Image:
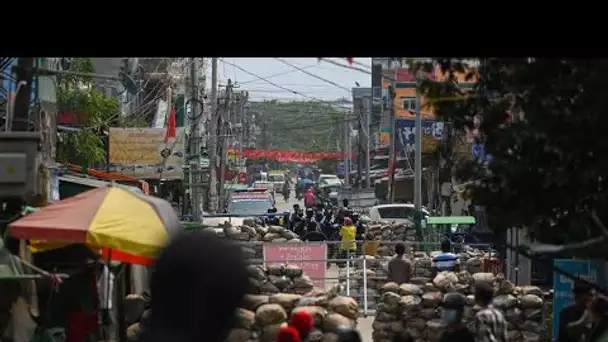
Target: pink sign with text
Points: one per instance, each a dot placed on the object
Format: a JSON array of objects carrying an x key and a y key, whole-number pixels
[{"x": 301, "y": 255}]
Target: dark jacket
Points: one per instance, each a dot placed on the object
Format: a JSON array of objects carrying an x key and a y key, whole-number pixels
[
  {"x": 569, "y": 314},
  {"x": 193, "y": 296},
  {"x": 459, "y": 335}
]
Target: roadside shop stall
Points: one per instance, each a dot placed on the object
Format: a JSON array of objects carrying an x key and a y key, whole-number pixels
[{"x": 93, "y": 236}]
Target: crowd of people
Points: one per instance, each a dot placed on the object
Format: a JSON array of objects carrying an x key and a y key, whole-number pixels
[
  {"x": 194, "y": 299},
  {"x": 186, "y": 268}
]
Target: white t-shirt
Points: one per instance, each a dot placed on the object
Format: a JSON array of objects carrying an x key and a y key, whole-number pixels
[{"x": 446, "y": 261}]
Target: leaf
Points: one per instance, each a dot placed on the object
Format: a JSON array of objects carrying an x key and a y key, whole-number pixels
[
  {"x": 76, "y": 94},
  {"x": 544, "y": 122}
]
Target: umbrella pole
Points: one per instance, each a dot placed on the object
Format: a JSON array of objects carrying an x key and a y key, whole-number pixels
[{"x": 108, "y": 297}]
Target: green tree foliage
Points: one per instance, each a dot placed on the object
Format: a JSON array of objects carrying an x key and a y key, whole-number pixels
[
  {"x": 549, "y": 171},
  {"x": 76, "y": 94},
  {"x": 306, "y": 126},
  {"x": 328, "y": 165}
]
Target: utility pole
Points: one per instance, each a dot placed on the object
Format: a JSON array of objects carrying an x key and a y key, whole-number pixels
[
  {"x": 359, "y": 146},
  {"x": 392, "y": 150},
  {"x": 224, "y": 132},
  {"x": 242, "y": 107},
  {"x": 195, "y": 140},
  {"x": 418, "y": 156},
  {"x": 213, "y": 200},
  {"x": 368, "y": 137},
  {"x": 347, "y": 149},
  {"x": 21, "y": 110}
]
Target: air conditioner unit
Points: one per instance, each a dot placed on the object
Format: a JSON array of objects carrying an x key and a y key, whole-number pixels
[{"x": 19, "y": 164}]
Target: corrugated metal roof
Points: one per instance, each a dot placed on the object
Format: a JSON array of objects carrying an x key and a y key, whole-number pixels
[{"x": 94, "y": 183}]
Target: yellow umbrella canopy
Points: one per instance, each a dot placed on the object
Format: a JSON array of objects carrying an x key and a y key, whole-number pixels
[{"x": 111, "y": 218}]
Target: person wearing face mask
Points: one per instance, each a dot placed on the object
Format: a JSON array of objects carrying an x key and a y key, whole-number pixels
[{"x": 452, "y": 310}]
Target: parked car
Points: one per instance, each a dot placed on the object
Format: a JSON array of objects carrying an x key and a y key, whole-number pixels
[
  {"x": 397, "y": 212},
  {"x": 328, "y": 179}
]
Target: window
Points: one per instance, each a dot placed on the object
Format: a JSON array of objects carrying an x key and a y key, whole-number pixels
[{"x": 409, "y": 104}]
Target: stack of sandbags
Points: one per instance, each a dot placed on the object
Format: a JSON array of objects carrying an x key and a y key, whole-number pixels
[
  {"x": 278, "y": 278},
  {"x": 264, "y": 312},
  {"x": 393, "y": 232},
  {"x": 415, "y": 307},
  {"x": 252, "y": 235},
  {"x": 376, "y": 270},
  {"x": 274, "y": 294}
]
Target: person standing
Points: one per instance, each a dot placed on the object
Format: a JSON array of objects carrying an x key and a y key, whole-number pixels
[
  {"x": 348, "y": 234},
  {"x": 446, "y": 261},
  {"x": 310, "y": 198},
  {"x": 490, "y": 323},
  {"x": 452, "y": 310},
  {"x": 583, "y": 294},
  {"x": 399, "y": 267}
]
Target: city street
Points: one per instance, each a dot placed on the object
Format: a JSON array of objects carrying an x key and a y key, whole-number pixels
[{"x": 363, "y": 324}]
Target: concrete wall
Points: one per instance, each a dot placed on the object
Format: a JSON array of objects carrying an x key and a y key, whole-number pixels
[{"x": 107, "y": 66}]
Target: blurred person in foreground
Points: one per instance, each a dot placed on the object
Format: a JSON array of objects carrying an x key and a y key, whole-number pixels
[
  {"x": 490, "y": 323},
  {"x": 598, "y": 316},
  {"x": 199, "y": 280},
  {"x": 452, "y": 310},
  {"x": 399, "y": 267},
  {"x": 570, "y": 315}
]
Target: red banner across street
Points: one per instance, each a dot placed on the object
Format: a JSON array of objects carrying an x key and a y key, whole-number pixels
[{"x": 286, "y": 156}]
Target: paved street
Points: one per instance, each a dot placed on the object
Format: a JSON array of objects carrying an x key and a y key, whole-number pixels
[{"x": 364, "y": 324}]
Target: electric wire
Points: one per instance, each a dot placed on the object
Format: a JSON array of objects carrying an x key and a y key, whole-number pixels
[
  {"x": 348, "y": 90},
  {"x": 393, "y": 79},
  {"x": 270, "y": 82}
]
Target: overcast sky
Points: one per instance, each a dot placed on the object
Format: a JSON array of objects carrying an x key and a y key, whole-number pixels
[{"x": 292, "y": 79}]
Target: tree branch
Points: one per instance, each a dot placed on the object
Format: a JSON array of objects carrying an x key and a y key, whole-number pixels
[
  {"x": 548, "y": 248},
  {"x": 599, "y": 223}
]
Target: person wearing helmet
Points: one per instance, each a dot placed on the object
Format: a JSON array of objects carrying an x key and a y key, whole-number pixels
[{"x": 452, "y": 310}]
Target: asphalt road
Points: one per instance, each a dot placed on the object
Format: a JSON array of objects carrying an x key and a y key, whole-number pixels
[{"x": 363, "y": 324}]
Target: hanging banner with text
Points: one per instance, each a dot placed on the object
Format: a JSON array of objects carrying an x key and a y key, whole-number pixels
[
  {"x": 143, "y": 153},
  {"x": 311, "y": 258},
  {"x": 286, "y": 156},
  {"x": 432, "y": 133}
]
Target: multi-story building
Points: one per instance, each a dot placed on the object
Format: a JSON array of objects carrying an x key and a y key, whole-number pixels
[
  {"x": 110, "y": 67},
  {"x": 404, "y": 82}
]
